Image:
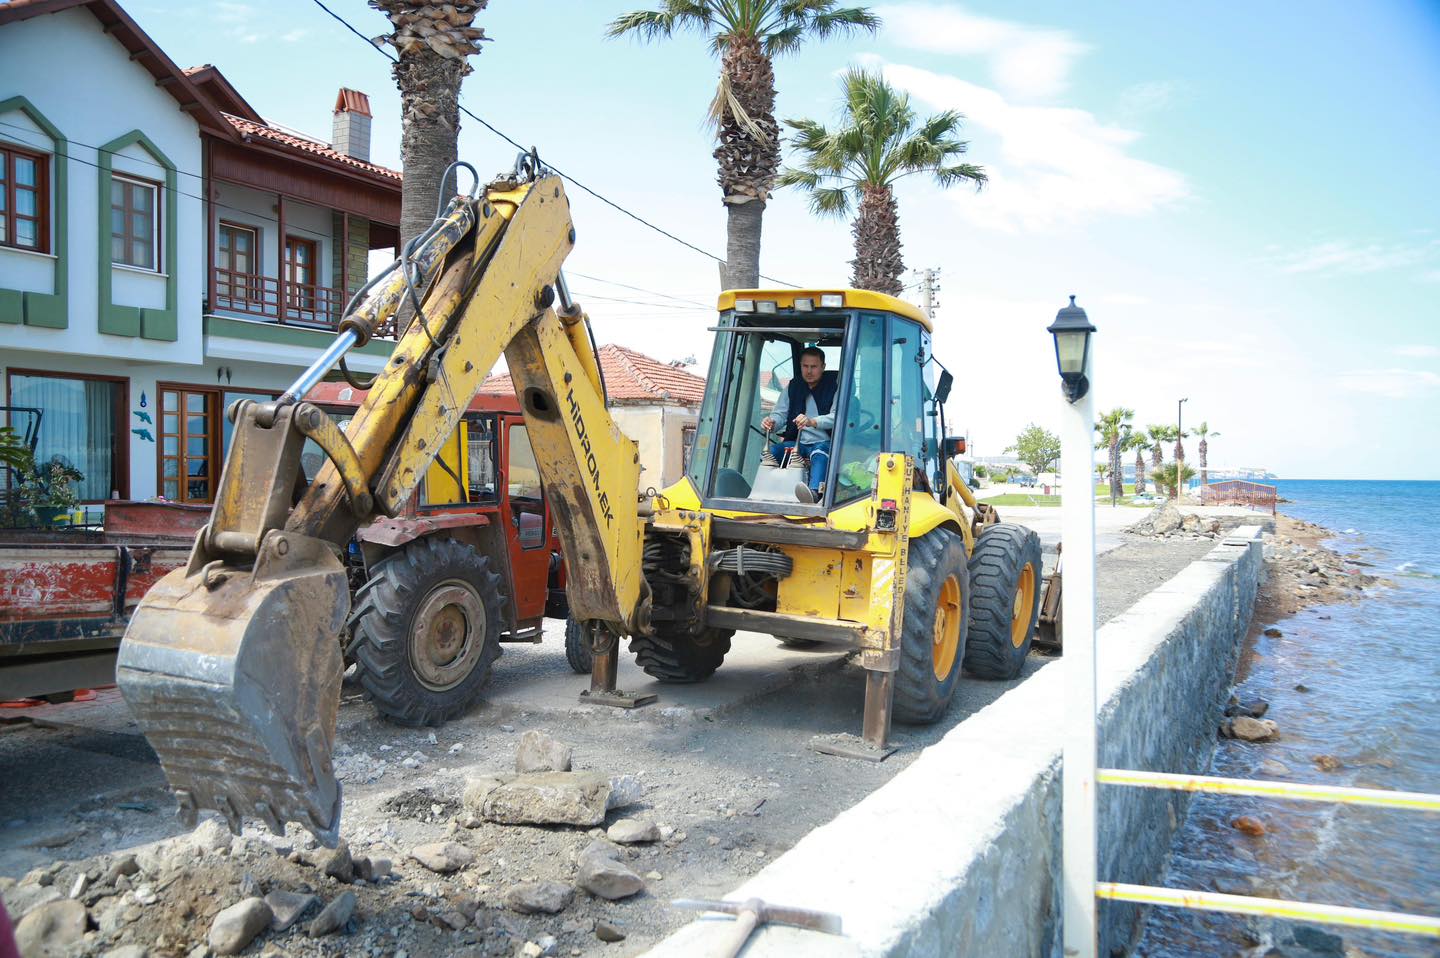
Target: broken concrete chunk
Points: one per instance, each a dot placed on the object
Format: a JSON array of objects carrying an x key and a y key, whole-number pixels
[
  {"x": 624, "y": 790},
  {"x": 235, "y": 927},
  {"x": 539, "y": 752},
  {"x": 51, "y": 927},
  {"x": 23, "y": 899},
  {"x": 334, "y": 917},
  {"x": 608, "y": 878},
  {"x": 605, "y": 931},
  {"x": 529, "y": 898},
  {"x": 286, "y": 907},
  {"x": 541, "y": 798},
  {"x": 633, "y": 831},
  {"x": 338, "y": 864},
  {"x": 443, "y": 857}
]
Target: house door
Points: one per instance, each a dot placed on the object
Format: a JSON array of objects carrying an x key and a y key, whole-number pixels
[
  {"x": 526, "y": 530},
  {"x": 300, "y": 276},
  {"x": 189, "y": 447},
  {"x": 235, "y": 272}
]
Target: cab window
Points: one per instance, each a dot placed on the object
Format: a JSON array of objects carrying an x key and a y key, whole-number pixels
[
  {"x": 522, "y": 483},
  {"x": 862, "y": 434}
]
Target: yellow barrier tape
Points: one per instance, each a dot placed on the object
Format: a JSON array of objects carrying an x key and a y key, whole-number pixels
[
  {"x": 1247, "y": 905},
  {"x": 1345, "y": 795}
]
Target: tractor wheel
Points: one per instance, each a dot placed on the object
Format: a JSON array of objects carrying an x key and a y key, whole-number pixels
[
  {"x": 681, "y": 657},
  {"x": 1007, "y": 576},
  {"x": 426, "y": 631},
  {"x": 932, "y": 640},
  {"x": 577, "y": 646}
]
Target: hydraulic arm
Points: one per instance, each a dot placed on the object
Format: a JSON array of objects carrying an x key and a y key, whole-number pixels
[{"x": 232, "y": 665}]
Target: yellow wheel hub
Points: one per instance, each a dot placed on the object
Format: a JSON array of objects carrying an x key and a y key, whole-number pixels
[
  {"x": 947, "y": 629},
  {"x": 1024, "y": 605}
]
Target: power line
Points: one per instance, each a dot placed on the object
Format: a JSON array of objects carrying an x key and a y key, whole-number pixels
[
  {"x": 599, "y": 196},
  {"x": 641, "y": 302},
  {"x": 638, "y": 289}
]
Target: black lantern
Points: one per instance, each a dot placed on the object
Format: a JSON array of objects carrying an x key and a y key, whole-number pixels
[{"x": 1072, "y": 330}]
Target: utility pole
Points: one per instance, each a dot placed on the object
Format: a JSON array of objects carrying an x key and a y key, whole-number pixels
[
  {"x": 929, "y": 286},
  {"x": 1180, "y": 446}
]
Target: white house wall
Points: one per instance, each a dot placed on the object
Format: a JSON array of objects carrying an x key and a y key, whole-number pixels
[{"x": 108, "y": 98}]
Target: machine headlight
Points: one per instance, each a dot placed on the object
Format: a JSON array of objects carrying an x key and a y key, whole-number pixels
[
  {"x": 744, "y": 306},
  {"x": 804, "y": 305},
  {"x": 766, "y": 306},
  {"x": 832, "y": 300}
]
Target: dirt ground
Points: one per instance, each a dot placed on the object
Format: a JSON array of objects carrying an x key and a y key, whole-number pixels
[{"x": 732, "y": 787}]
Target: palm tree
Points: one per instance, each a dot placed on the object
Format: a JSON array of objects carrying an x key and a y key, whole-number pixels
[
  {"x": 1166, "y": 477},
  {"x": 1179, "y": 436},
  {"x": 433, "y": 42},
  {"x": 1203, "y": 431},
  {"x": 1113, "y": 427},
  {"x": 747, "y": 35},
  {"x": 1158, "y": 435},
  {"x": 877, "y": 141},
  {"x": 1139, "y": 442}
]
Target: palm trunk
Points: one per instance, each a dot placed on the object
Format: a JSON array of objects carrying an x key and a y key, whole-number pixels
[
  {"x": 1204, "y": 473},
  {"x": 1139, "y": 472},
  {"x": 877, "y": 264},
  {"x": 430, "y": 111},
  {"x": 748, "y": 155},
  {"x": 1157, "y": 455},
  {"x": 1179, "y": 466},
  {"x": 1117, "y": 474}
]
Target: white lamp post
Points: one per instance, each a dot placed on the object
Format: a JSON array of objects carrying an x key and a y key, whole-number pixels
[{"x": 1072, "y": 331}]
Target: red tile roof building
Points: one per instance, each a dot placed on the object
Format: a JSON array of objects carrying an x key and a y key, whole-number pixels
[{"x": 632, "y": 379}]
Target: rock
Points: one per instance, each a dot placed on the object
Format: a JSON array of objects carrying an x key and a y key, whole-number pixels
[
  {"x": 334, "y": 916},
  {"x": 624, "y": 790},
  {"x": 1328, "y": 763},
  {"x": 338, "y": 864},
  {"x": 1253, "y": 730},
  {"x": 286, "y": 907},
  {"x": 1302, "y": 687},
  {"x": 211, "y": 836},
  {"x": 633, "y": 831},
  {"x": 1249, "y": 825},
  {"x": 23, "y": 899},
  {"x": 1273, "y": 768},
  {"x": 125, "y": 865},
  {"x": 443, "y": 857},
  {"x": 50, "y": 928},
  {"x": 608, "y": 878},
  {"x": 235, "y": 927},
  {"x": 529, "y": 898},
  {"x": 1253, "y": 709},
  {"x": 608, "y": 932},
  {"x": 380, "y": 868},
  {"x": 1273, "y": 633},
  {"x": 364, "y": 868},
  {"x": 531, "y": 950},
  {"x": 653, "y": 875},
  {"x": 541, "y": 798},
  {"x": 199, "y": 951},
  {"x": 539, "y": 752},
  {"x": 128, "y": 951},
  {"x": 146, "y": 895}
]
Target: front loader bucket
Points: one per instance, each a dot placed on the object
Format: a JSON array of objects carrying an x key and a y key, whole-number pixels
[{"x": 234, "y": 676}]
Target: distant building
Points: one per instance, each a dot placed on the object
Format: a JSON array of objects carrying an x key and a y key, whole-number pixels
[
  {"x": 163, "y": 249},
  {"x": 657, "y": 404}
]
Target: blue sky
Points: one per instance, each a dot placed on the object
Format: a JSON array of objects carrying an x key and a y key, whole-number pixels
[{"x": 1243, "y": 198}]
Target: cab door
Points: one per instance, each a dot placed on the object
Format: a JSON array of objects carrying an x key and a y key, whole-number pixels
[{"x": 527, "y": 526}]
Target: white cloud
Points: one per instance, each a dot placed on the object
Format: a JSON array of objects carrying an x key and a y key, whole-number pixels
[
  {"x": 1344, "y": 256},
  {"x": 1430, "y": 276},
  {"x": 1417, "y": 351},
  {"x": 1024, "y": 61},
  {"x": 1048, "y": 165},
  {"x": 1144, "y": 98},
  {"x": 1390, "y": 383}
]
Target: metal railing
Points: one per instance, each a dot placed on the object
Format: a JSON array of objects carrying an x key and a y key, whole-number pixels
[
  {"x": 1240, "y": 492},
  {"x": 305, "y": 304},
  {"x": 1273, "y": 907}
]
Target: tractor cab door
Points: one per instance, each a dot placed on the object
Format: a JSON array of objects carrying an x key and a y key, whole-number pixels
[{"x": 526, "y": 522}]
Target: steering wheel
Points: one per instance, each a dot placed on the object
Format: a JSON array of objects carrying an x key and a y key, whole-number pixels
[{"x": 865, "y": 420}]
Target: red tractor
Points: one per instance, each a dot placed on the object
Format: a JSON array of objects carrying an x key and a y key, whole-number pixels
[{"x": 472, "y": 563}]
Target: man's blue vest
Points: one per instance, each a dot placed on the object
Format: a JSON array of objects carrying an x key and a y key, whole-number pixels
[{"x": 799, "y": 391}]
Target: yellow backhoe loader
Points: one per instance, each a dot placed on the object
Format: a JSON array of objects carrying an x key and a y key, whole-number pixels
[{"x": 232, "y": 667}]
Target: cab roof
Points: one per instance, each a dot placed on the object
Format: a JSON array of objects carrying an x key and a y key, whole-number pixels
[{"x": 854, "y": 299}]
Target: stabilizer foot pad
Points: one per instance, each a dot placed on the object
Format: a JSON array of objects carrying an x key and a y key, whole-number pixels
[
  {"x": 617, "y": 699},
  {"x": 846, "y": 745}
]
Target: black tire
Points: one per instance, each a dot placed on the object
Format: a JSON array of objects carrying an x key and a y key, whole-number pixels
[
  {"x": 396, "y": 664},
  {"x": 936, "y": 558},
  {"x": 681, "y": 657},
  {"x": 577, "y": 647},
  {"x": 997, "y": 568}
]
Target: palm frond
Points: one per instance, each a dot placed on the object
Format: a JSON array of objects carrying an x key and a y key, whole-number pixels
[
  {"x": 697, "y": 15},
  {"x": 725, "y": 102},
  {"x": 807, "y": 180},
  {"x": 830, "y": 201},
  {"x": 785, "y": 40},
  {"x": 947, "y": 176}
]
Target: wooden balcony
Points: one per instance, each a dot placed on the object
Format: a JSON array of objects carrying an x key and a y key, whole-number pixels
[{"x": 304, "y": 304}]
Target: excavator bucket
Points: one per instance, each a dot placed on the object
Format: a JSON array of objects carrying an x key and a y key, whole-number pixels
[{"x": 233, "y": 673}]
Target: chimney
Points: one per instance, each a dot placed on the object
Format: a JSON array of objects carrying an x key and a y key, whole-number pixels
[{"x": 351, "y": 131}]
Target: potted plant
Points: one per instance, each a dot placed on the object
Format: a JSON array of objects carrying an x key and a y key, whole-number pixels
[
  {"x": 52, "y": 489},
  {"x": 16, "y": 467}
]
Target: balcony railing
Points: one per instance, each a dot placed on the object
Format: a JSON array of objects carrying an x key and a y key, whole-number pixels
[{"x": 305, "y": 304}]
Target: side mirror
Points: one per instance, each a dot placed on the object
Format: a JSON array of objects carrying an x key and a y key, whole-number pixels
[
  {"x": 942, "y": 388},
  {"x": 953, "y": 446}
]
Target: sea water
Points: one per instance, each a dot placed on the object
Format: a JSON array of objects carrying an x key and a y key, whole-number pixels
[{"x": 1372, "y": 671}]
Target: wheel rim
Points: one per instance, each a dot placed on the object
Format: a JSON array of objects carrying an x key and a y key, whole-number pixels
[
  {"x": 947, "y": 629},
  {"x": 1024, "y": 603},
  {"x": 448, "y": 635}
]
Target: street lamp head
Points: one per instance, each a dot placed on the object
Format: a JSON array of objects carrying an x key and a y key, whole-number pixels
[{"x": 1072, "y": 329}]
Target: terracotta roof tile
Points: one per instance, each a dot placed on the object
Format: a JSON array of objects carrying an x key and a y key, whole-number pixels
[
  {"x": 632, "y": 378},
  {"x": 314, "y": 147}
]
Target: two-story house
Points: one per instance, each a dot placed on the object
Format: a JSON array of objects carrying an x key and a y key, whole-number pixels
[{"x": 163, "y": 249}]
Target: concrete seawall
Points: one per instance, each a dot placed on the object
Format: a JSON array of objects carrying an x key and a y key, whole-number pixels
[{"x": 960, "y": 853}]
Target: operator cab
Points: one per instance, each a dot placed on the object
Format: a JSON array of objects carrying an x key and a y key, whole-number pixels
[{"x": 888, "y": 396}]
